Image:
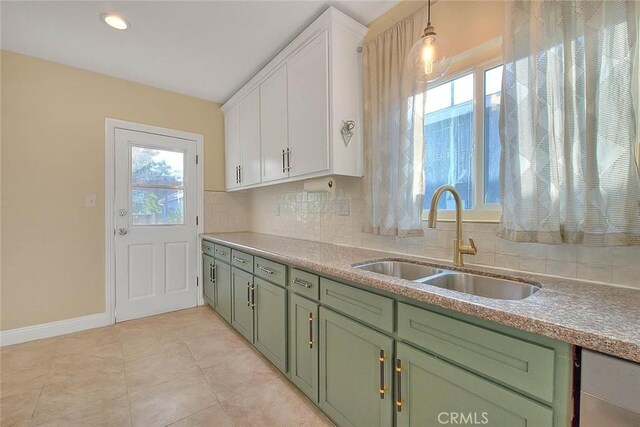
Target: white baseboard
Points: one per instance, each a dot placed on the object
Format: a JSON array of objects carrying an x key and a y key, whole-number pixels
[{"x": 52, "y": 329}]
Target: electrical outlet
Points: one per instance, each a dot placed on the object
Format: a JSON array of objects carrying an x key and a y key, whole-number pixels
[{"x": 343, "y": 207}]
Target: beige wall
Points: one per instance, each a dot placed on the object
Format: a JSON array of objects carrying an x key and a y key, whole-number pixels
[{"x": 53, "y": 120}]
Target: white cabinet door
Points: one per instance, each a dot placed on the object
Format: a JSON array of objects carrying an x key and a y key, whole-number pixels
[
  {"x": 232, "y": 147},
  {"x": 250, "y": 138},
  {"x": 273, "y": 125},
  {"x": 308, "y": 97}
]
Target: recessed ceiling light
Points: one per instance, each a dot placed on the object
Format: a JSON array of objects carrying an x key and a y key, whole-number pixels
[{"x": 115, "y": 21}]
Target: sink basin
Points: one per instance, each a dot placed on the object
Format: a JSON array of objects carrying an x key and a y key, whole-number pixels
[
  {"x": 400, "y": 269},
  {"x": 484, "y": 286}
]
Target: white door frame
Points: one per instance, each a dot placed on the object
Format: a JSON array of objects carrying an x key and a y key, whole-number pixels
[{"x": 109, "y": 186}]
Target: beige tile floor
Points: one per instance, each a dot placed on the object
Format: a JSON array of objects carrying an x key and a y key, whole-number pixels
[{"x": 186, "y": 368}]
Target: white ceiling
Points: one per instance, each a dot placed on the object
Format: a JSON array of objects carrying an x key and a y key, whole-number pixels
[{"x": 206, "y": 49}]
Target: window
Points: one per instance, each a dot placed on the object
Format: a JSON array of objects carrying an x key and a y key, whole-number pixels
[
  {"x": 157, "y": 186},
  {"x": 462, "y": 142}
]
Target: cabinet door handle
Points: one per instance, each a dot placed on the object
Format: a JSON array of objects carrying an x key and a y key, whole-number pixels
[
  {"x": 399, "y": 385},
  {"x": 240, "y": 260},
  {"x": 237, "y": 175},
  {"x": 265, "y": 269},
  {"x": 240, "y": 174},
  {"x": 310, "y": 330},
  {"x": 213, "y": 273},
  {"x": 284, "y": 168},
  {"x": 288, "y": 159},
  {"x": 302, "y": 283},
  {"x": 248, "y": 294},
  {"x": 382, "y": 387},
  {"x": 253, "y": 297}
]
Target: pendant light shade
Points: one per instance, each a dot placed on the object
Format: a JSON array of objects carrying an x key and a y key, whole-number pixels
[{"x": 428, "y": 59}]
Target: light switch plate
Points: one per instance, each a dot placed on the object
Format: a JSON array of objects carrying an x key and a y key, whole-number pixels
[{"x": 90, "y": 201}]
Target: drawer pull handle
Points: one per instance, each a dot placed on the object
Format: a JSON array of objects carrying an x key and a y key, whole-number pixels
[
  {"x": 220, "y": 252},
  {"x": 266, "y": 270},
  {"x": 240, "y": 260},
  {"x": 302, "y": 283},
  {"x": 399, "y": 385},
  {"x": 382, "y": 387},
  {"x": 310, "y": 330}
]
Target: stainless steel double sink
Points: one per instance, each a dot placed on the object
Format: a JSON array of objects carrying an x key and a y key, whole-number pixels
[{"x": 484, "y": 286}]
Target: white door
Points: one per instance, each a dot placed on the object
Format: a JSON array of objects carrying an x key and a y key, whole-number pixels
[
  {"x": 155, "y": 224},
  {"x": 308, "y": 109},
  {"x": 273, "y": 126}
]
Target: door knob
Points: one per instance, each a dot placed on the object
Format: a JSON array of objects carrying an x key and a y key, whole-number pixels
[{"x": 122, "y": 231}]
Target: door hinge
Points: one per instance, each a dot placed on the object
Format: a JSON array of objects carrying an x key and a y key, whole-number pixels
[
  {"x": 196, "y": 220},
  {"x": 196, "y": 159}
]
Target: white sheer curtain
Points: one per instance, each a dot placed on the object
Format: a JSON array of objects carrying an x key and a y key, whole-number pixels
[
  {"x": 394, "y": 177},
  {"x": 568, "y": 125}
]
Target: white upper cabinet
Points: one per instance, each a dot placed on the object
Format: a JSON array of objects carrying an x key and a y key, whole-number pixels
[
  {"x": 250, "y": 139},
  {"x": 232, "y": 147},
  {"x": 308, "y": 95},
  {"x": 273, "y": 126},
  {"x": 285, "y": 123}
]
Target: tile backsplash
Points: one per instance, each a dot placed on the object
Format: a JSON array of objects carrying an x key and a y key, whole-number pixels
[{"x": 286, "y": 210}]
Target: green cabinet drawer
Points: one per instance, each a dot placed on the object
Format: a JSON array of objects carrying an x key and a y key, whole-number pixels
[
  {"x": 434, "y": 392},
  {"x": 521, "y": 364},
  {"x": 242, "y": 260},
  {"x": 208, "y": 248},
  {"x": 365, "y": 306},
  {"x": 222, "y": 253},
  {"x": 304, "y": 283},
  {"x": 270, "y": 322},
  {"x": 271, "y": 271}
]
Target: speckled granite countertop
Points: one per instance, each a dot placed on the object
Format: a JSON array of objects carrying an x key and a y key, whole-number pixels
[{"x": 599, "y": 317}]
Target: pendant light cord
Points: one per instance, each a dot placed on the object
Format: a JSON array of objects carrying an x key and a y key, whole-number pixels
[{"x": 429, "y": 14}]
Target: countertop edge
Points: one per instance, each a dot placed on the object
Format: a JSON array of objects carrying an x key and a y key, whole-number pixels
[{"x": 590, "y": 340}]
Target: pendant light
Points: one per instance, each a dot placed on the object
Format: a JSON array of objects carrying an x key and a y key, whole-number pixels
[{"x": 428, "y": 58}]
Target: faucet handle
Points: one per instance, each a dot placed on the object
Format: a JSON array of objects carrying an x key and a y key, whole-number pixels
[
  {"x": 473, "y": 245},
  {"x": 469, "y": 249}
]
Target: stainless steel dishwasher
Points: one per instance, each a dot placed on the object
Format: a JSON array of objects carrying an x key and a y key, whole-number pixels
[{"x": 609, "y": 391}]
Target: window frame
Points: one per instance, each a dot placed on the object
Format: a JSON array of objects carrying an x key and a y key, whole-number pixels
[{"x": 481, "y": 212}]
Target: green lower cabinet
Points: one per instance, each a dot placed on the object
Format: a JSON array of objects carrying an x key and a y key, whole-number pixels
[
  {"x": 223, "y": 290},
  {"x": 241, "y": 297},
  {"x": 270, "y": 322},
  {"x": 208, "y": 277},
  {"x": 435, "y": 392},
  {"x": 352, "y": 374},
  {"x": 303, "y": 345}
]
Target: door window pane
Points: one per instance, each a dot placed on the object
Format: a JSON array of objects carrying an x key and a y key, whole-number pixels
[
  {"x": 156, "y": 167},
  {"x": 157, "y": 206},
  {"x": 492, "y": 148},
  {"x": 448, "y": 130},
  {"x": 157, "y": 186}
]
